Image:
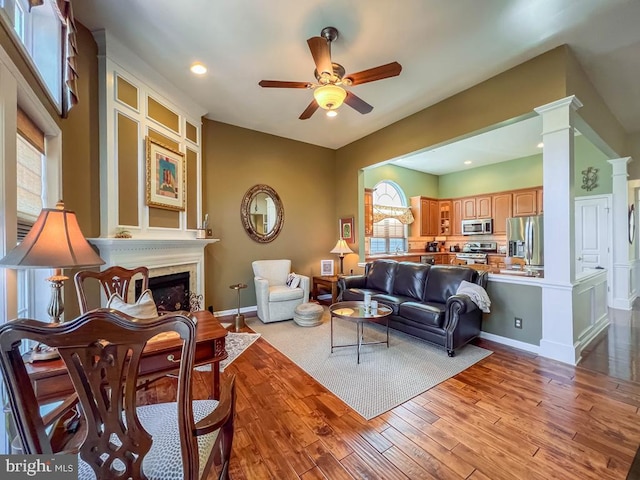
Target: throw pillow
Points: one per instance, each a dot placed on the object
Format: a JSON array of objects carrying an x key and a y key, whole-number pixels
[
  {"x": 145, "y": 307},
  {"x": 293, "y": 280}
]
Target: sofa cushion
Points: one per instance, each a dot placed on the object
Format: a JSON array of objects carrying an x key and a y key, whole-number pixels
[
  {"x": 381, "y": 275},
  {"x": 443, "y": 281},
  {"x": 392, "y": 301},
  {"x": 352, "y": 294},
  {"x": 410, "y": 279},
  {"x": 425, "y": 313}
]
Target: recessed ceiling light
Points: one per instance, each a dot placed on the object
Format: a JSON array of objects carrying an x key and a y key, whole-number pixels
[
  {"x": 540, "y": 145},
  {"x": 331, "y": 113},
  {"x": 467, "y": 162},
  {"x": 198, "y": 68}
]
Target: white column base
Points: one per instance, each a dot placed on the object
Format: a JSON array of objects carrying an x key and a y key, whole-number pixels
[
  {"x": 557, "y": 323},
  {"x": 622, "y": 298},
  {"x": 559, "y": 351}
]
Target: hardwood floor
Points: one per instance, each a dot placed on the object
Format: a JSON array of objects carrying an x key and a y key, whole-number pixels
[
  {"x": 617, "y": 352},
  {"x": 513, "y": 415}
]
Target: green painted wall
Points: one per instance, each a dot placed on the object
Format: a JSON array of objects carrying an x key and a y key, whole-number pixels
[
  {"x": 511, "y": 175},
  {"x": 503, "y": 310},
  {"x": 303, "y": 176},
  {"x": 587, "y": 155},
  {"x": 412, "y": 182},
  {"x": 519, "y": 173}
]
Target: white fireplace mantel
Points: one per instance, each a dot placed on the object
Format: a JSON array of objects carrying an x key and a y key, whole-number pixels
[{"x": 155, "y": 253}]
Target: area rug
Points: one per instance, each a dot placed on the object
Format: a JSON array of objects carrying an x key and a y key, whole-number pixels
[
  {"x": 385, "y": 377},
  {"x": 235, "y": 343}
]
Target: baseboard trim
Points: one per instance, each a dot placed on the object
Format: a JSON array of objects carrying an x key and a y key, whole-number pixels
[
  {"x": 622, "y": 303},
  {"x": 234, "y": 311},
  {"x": 510, "y": 342}
]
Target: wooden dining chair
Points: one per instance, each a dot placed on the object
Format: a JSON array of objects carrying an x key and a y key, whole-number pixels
[
  {"x": 113, "y": 437},
  {"x": 112, "y": 280}
]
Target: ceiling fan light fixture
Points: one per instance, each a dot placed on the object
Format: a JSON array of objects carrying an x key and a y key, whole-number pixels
[
  {"x": 329, "y": 97},
  {"x": 332, "y": 113}
]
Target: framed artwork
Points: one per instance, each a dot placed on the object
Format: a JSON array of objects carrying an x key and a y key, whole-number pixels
[
  {"x": 346, "y": 229},
  {"x": 165, "y": 176},
  {"x": 326, "y": 268}
]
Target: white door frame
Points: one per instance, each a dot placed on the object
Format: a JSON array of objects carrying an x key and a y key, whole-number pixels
[{"x": 609, "y": 199}]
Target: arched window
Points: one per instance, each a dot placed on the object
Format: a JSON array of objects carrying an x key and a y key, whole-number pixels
[{"x": 389, "y": 234}]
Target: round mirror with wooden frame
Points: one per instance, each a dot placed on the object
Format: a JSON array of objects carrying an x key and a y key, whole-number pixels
[
  {"x": 632, "y": 223},
  {"x": 262, "y": 213}
]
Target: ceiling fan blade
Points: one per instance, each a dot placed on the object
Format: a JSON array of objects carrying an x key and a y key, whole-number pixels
[
  {"x": 321, "y": 52},
  {"x": 377, "y": 73},
  {"x": 357, "y": 103},
  {"x": 310, "y": 110},
  {"x": 279, "y": 84}
]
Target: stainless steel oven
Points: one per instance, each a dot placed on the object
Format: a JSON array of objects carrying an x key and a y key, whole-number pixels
[
  {"x": 472, "y": 258},
  {"x": 480, "y": 226}
]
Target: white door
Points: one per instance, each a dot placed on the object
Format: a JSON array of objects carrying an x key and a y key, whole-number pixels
[{"x": 592, "y": 234}]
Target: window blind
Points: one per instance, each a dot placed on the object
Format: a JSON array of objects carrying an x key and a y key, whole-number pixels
[{"x": 30, "y": 148}]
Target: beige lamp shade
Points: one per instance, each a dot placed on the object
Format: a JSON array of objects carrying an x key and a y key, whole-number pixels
[
  {"x": 54, "y": 241},
  {"x": 329, "y": 97},
  {"x": 341, "y": 248}
]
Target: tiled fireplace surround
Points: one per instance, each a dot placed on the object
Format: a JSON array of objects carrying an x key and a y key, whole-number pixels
[{"x": 160, "y": 256}]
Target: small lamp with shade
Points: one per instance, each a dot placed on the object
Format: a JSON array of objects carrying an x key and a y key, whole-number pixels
[
  {"x": 55, "y": 241},
  {"x": 341, "y": 249}
]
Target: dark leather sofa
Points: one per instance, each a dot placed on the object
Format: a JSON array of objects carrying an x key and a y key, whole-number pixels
[{"x": 423, "y": 298}]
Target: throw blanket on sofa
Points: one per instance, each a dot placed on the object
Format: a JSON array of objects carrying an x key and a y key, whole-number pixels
[{"x": 477, "y": 294}]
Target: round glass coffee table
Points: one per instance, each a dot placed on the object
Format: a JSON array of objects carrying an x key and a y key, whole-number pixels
[{"x": 357, "y": 313}]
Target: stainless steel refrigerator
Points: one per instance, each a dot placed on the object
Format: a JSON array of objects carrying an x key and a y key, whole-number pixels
[{"x": 525, "y": 239}]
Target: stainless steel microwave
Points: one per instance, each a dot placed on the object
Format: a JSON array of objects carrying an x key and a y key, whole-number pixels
[{"x": 480, "y": 226}]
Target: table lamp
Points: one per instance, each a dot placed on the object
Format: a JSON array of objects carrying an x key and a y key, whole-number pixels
[
  {"x": 54, "y": 241},
  {"x": 341, "y": 249}
]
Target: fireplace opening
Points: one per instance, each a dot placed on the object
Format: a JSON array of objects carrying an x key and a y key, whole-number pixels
[{"x": 170, "y": 292}]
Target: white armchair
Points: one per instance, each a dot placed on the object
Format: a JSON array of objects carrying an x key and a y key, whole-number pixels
[{"x": 275, "y": 300}]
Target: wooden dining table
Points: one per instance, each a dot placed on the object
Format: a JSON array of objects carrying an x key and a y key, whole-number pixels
[{"x": 160, "y": 357}]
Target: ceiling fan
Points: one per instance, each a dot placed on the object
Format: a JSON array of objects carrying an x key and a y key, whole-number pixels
[{"x": 329, "y": 93}]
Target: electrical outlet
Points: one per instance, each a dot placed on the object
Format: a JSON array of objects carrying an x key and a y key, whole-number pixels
[{"x": 517, "y": 322}]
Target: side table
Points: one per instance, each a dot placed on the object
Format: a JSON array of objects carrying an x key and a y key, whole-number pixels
[
  {"x": 239, "y": 318},
  {"x": 330, "y": 282}
]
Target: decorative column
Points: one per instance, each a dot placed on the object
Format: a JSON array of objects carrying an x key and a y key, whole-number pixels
[
  {"x": 559, "y": 229},
  {"x": 621, "y": 274}
]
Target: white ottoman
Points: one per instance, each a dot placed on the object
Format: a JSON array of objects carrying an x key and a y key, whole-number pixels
[{"x": 308, "y": 314}]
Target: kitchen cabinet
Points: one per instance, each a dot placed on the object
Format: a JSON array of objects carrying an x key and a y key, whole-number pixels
[
  {"x": 495, "y": 261},
  {"x": 476, "y": 207},
  {"x": 368, "y": 212},
  {"x": 525, "y": 202},
  {"x": 483, "y": 206},
  {"x": 456, "y": 217},
  {"x": 539, "y": 200},
  {"x": 443, "y": 258},
  {"x": 468, "y": 208},
  {"x": 434, "y": 218},
  {"x": 444, "y": 206},
  {"x": 426, "y": 215},
  {"x": 501, "y": 210}
]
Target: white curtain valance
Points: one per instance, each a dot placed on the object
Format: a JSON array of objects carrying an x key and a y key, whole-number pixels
[{"x": 402, "y": 214}]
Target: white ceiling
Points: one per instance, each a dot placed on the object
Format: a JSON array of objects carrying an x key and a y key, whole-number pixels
[
  {"x": 517, "y": 140},
  {"x": 444, "y": 47}
]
